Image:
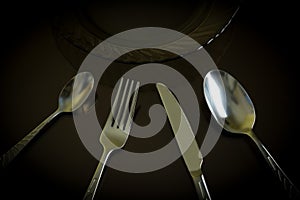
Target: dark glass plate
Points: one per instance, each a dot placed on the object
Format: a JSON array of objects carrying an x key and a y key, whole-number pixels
[{"x": 78, "y": 31}]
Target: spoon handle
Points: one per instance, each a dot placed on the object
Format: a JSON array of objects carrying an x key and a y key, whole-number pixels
[
  {"x": 6, "y": 158},
  {"x": 201, "y": 188},
  {"x": 286, "y": 182}
]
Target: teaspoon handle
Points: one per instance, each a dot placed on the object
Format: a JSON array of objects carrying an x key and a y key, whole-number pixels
[
  {"x": 286, "y": 182},
  {"x": 6, "y": 158}
]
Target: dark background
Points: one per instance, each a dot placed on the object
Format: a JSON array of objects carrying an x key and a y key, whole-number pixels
[{"x": 259, "y": 48}]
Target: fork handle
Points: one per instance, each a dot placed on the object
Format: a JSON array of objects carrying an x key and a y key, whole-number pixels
[
  {"x": 288, "y": 186},
  {"x": 201, "y": 188},
  {"x": 6, "y": 158},
  {"x": 91, "y": 191}
]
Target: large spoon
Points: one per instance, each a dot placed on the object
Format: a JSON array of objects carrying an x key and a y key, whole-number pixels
[
  {"x": 234, "y": 111},
  {"x": 71, "y": 97}
]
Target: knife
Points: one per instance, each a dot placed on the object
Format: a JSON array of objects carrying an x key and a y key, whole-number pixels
[{"x": 185, "y": 139}]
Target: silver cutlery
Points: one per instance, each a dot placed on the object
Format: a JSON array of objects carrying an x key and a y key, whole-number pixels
[
  {"x": 116, "y": 130},
  {"x": 185, "y": 139},
  {"x": 233, "y": 109},
  {"x": 72, "y": 96}
]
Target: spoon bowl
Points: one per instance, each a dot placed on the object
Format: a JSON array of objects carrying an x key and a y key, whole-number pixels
[
  {"x": 229, "y": 103},
  {"x": 233, "y": 109},
  {"x": 75, "y": 92}
]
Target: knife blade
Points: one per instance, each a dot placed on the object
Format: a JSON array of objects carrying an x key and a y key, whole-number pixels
[{"x": 185, "y": 139}]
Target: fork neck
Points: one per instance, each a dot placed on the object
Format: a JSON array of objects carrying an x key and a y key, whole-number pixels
[{"x": 105, "y": 154}]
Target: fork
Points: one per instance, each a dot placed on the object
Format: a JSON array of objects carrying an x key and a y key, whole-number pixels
[{"x": 116, "y": 129}]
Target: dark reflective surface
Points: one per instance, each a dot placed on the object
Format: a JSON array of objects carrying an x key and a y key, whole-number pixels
[{"x": 257, "y": 48}]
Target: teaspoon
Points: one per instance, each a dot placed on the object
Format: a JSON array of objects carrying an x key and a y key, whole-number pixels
[{"x": 71, "y": 97}]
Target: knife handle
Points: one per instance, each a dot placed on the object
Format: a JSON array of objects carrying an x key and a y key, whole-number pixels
[{"x": 201, "y": 188}]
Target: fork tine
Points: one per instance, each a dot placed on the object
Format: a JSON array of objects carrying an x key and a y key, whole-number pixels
[
  {"x": 125, "y": 109},
  {"x": 117, "y": 117},
  {"x": 132, "y": 109},
  {"x": 114, "y": 106}
]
